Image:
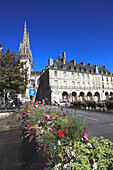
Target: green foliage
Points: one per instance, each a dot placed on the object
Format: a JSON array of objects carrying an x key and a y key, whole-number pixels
[
  {"x": 13, "y": 76},
  {"x": 109, "y": 105}
]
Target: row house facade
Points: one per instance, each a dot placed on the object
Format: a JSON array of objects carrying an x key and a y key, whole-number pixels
[{"x": 71, "y": 81}]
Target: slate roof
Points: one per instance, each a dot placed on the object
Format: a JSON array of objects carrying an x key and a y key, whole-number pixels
[{"x": 70, "y": 66}]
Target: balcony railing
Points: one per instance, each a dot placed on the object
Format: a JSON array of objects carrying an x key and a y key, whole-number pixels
[{"x": 80, "y": 87}]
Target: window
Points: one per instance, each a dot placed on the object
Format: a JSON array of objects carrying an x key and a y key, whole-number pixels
[
  {"x": 83, "y": 76},
  {"x": 65, "y": 84},
  {"x": 107, "y": 86},
  {"x": 102, "y": 78},
  {"x": 111, "y": 86},
  {"x": 55, "y": 73},
  {"x": 87, "y": 76},
  {"x": 78, "y": 84},
  {"x": 78, "y": 75},
  {"x": 88, "y": 85},
  {"x": 106, "y": 78},
  {"x": 72, "y": 75},
  {"x": 83, "y": 84},
  {"x": 64, "y": 74},
  {"x": 73, "y": 84},
  {"x": 56, "y": 83},
  {"x": 103, "y": 85}
]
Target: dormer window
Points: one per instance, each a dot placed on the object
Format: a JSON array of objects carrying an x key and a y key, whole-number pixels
[
  {"x": 63, "y": 66},
  {"x": 72, "y": 68},
  {"x": 55, "y": 66},
  {"x": 77, "y": 68},
  {"x": 85, "y": 70}
]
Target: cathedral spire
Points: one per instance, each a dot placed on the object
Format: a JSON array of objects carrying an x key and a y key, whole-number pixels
[
  {"x": 25, "y": 33},
  {"x": 28, "y": 40}
]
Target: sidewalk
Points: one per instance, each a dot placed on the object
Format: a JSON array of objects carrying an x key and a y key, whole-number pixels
[{"x": 10, "y": 145}]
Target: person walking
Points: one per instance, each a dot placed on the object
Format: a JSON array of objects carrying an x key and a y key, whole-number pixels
[{"x": 36, "y": 104}]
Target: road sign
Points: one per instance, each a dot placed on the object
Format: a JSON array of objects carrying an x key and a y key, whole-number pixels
[{"x": 32, "y": 92}]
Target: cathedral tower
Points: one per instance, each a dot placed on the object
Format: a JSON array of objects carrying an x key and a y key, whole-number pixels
[{"x": 24, "y": 50}]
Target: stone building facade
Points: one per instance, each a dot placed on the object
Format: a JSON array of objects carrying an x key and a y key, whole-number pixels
[{"x": 71, "y": 81}]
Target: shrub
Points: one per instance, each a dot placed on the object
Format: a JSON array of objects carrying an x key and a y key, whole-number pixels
[
  {"x": 91, "y": 154},
  {"x": 91, "y": 104},
  {"x": 109, "y": 105}
]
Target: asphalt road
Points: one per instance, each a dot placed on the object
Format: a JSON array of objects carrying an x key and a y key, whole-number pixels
[{"x": 98, "y": 123}]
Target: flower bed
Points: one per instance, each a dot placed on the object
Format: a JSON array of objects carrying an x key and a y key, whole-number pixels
[{"x": 64, "y": 143}]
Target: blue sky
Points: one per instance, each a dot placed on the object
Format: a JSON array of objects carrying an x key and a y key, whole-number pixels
[{"x": 81, "y": 28}]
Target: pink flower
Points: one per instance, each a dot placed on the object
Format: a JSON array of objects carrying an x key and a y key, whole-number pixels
[
  {"x": 85, "y": 136},
  {"x": 41, "y": 120},
  {"x": 51, "y": 116},
  {"x": 45, "y": 115}
]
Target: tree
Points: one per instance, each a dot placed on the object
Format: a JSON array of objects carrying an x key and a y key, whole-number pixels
[{"x": 13, "y": 74}]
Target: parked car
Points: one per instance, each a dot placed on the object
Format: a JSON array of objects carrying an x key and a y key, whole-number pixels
[{"x": 64, "y": 103}]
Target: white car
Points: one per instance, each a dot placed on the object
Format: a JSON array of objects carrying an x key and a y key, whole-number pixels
[{"x": 64, "y": 103}]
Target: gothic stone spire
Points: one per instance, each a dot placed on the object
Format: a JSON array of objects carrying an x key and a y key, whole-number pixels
[{"x": 25, "y": 33}]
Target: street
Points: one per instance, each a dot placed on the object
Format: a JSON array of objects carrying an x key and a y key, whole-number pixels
[{"x": 98, "y": 123}]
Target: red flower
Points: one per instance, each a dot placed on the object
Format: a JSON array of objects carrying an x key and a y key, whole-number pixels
[
  {"x": 85, "y": 127},
  {"x": 59, "y": 126},
  {"x": 73, "y": 125},
  {"x": 64, "y": 130},
  {"x": 50, "y": 131},
  {"x": 60, "y": 133}
]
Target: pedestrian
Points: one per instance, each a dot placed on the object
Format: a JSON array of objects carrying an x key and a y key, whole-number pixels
[
  {"x": 36, "y": 104},
  {"x": 43, "y": 102}
]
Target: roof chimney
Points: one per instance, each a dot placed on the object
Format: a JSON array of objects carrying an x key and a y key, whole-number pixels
[
  {"x": 50, "y": 61},
  {"x": 64, "y": 58},
  {"x": 104, "y": 66},
  {"x": 82, "y": 63},
  {"x": 73, "y": 61},
  {"x": 89, "y": 64}
]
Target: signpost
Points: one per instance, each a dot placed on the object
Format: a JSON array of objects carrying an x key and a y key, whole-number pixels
[{"x": 32, "y": 92}]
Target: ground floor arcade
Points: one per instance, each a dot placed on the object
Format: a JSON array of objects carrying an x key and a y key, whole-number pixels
[{"x": 97, "y": 95}]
